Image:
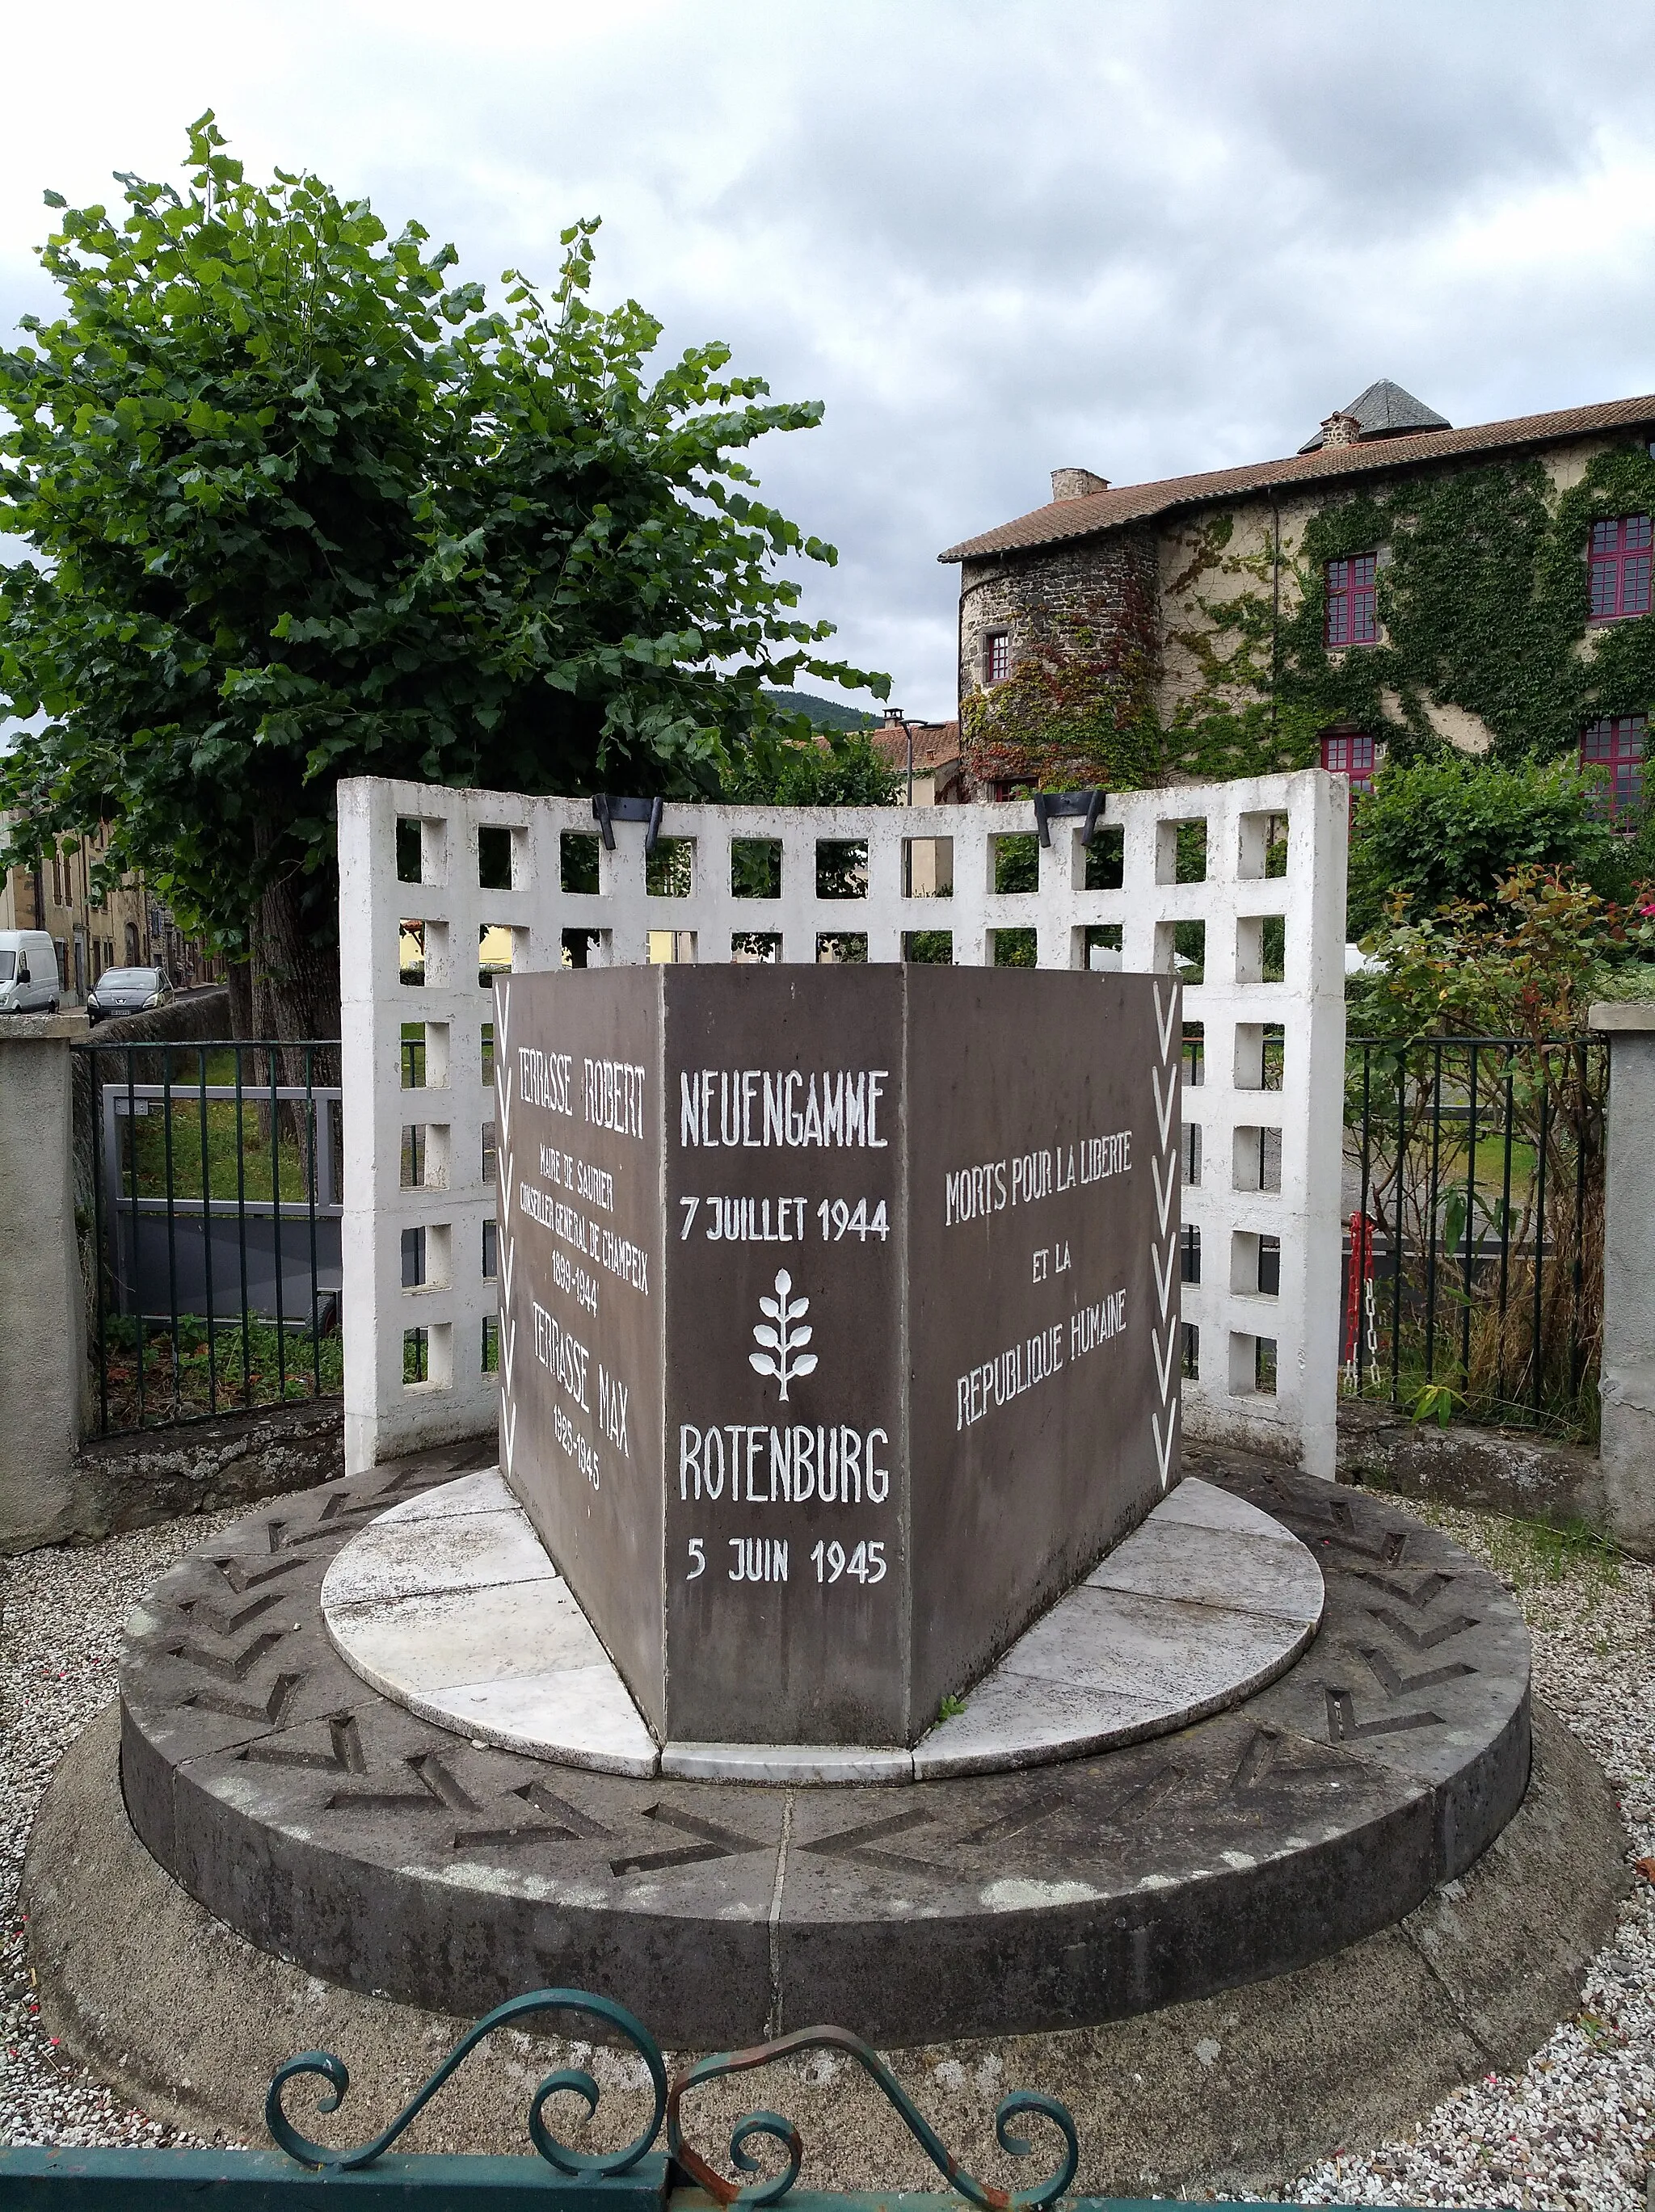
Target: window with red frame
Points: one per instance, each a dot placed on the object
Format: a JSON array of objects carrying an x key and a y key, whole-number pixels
[
  {"x": 1352, "y": 617},
  {"x": 1348, "y": 752},
  {"x": 1616, "y": 743},
  {"x": 1619, "y": 568},
  {"x": 999, "y": 656}
]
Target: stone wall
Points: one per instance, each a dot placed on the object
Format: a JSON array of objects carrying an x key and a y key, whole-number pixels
[
  {"x": 130, "y": 1481},
  {"x": 1087, "y": 615},
  {"x": 1508, "y": 1471}
]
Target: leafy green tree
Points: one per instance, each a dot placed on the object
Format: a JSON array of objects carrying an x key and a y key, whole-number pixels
[
  {"x": 831, "y": 770},
  {"x": 302, "y": 506},
  {"x": 1448, "y": 827}
]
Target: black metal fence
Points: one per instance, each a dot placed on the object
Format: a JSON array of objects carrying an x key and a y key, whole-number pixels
[
  {"x": 1473, "y": 1258},
  {"x": 210, "y": 1180}
]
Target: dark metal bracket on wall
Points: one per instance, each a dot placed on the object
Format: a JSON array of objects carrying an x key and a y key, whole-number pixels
[
  {"x": 606, "y": 811},
  {"x": 1048, "y": 803}
]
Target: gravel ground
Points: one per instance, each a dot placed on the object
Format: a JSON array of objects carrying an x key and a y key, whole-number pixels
[
  {"x": 1575, "y": 2129},
  {"x": 61, "y": 1612}
]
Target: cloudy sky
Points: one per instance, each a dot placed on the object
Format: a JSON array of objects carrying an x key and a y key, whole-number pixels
[{"x": 1146, "y": 238}]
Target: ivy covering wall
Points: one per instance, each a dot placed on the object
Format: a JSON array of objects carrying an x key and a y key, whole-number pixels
[{"x": 1484, "y": 603}]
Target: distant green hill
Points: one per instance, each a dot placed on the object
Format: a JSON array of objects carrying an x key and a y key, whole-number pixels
[{"x": 826, "y": 713}]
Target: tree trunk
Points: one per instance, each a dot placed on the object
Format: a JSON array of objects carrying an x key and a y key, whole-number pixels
[
  {"x": 238, "y": 976},
  {"x": 295, "y": 967}
]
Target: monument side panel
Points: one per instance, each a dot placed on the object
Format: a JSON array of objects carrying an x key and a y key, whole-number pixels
[
  {"x": 786, "y": 1575},
  {"x": 578, "y": 1146},
  {"x": 1043, "y": 1302}
]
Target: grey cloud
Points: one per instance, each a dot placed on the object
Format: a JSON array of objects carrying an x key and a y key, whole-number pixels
[{"x": 1147, "y": 238}]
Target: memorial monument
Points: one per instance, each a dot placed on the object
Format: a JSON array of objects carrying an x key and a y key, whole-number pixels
[{"x": 838, "y": 1319}]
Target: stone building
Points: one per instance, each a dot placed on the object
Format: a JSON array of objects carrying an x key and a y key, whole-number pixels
[
  {"x": 127, "y": 927},
  {"x": 1396, "y": 583}
]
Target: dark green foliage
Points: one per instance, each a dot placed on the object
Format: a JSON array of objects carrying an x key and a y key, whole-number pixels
[
  {"x": 303, "y": 506},
  {"x": 1016, "y": 864},
  {"x": 842, "y": 771},
  {"x": 1446, "y": 828}
]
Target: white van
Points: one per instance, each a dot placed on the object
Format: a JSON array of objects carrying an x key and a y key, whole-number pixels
[{"x": 28, "y": 972}]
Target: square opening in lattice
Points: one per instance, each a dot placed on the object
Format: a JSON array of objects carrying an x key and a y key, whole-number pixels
[
  {"x": 671, "y": 947},
  {"x": 1255, "y": 1264},
  {"x": 929, "y": 947},
  {"x": 428, "y": 1355},
  {"x": 490, "y": 1344},
  {"x": 415, "y": 942},
  {"x": 928, "y": 867},
  {"x": 413, "y": 1259},
  {"x": 1014, "y": 860},
  {"x": 408, "y": 855},
  {"x": 439, "y": 1255},
  {"x": 577, "y": 947},
  {"x": 1257, "y": 1159},
  {"x": 844, "y": 948},
  {"x": 1193, "y": 1057},
  {"x": 755, "y": 948},
  {"x": 491, "y": 1157},
  {"x": 1261, "y": 1049},
  {"x": 670, "y": 870},
  {"x": 496, "y": 847},
  {"x": 1181, "y": 851},
  {"x": 491, "y": 1250},
  {"x": 1252, "y": 1365},
  {"x": 1190, "y": 1365},
  {"x": 1191, "y": 1143},
  {"x": 841, "y": 867},
  {"x": 1262, "y": 850},
  {"x": 756, "y": 867},
  {"x": 488, "y": 1054},
  {"x": 495, "y": 947},
  {"x": 1102, "y": 947},
  {"x": 423, "y": 1054},
  {"x": 577, "y": 861},
  {"x": 1180, "y": 950},
  {"x": 1014, "y": 948},
  {"x": 1105, "y": 857},
  {"x": 1190, "y": 1254},
  {"x": 424, "y": 1155},
  {"x": 1260, "y": 948}
]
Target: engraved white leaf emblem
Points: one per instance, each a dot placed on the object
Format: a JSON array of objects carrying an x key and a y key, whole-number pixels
[{"x": 784, "y": 1356}]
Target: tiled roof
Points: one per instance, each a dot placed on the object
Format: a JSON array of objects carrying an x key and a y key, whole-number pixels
[
  {"x": 935, "y": 744},
  {"x": 1106, "y": 510}
]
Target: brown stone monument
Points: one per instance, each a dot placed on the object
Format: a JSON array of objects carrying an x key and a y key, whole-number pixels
[{"x": 839, "y": 1319}]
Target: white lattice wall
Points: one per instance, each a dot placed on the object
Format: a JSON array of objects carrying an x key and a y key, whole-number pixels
[{"x": 1241, "y": 1124}]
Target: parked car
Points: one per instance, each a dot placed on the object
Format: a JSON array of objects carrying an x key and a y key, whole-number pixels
[
  {"x": 28, "y": 972},
  {"x": 128, "y": 991}
]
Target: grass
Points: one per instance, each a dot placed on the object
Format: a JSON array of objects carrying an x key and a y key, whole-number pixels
[
  {"x": 247, "y": 1368},
  {"x": 229, "y": 1136}
]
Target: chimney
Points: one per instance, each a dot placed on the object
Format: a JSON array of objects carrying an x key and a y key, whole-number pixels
[
  {"x": 1076, "y": 484},
  {"x": 1340, "y": 431}
]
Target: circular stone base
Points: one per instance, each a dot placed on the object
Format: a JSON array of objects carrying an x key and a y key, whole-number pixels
[
  {"x": 337, "y": 1829},
  {"x": 449, "y": 1605},
  {"x": 1236, "y": 2094}
]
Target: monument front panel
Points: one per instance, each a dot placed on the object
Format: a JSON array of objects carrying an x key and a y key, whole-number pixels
[
  {"x": 840, "y": 1327},
  {"x": 787, "y": 1597}
]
